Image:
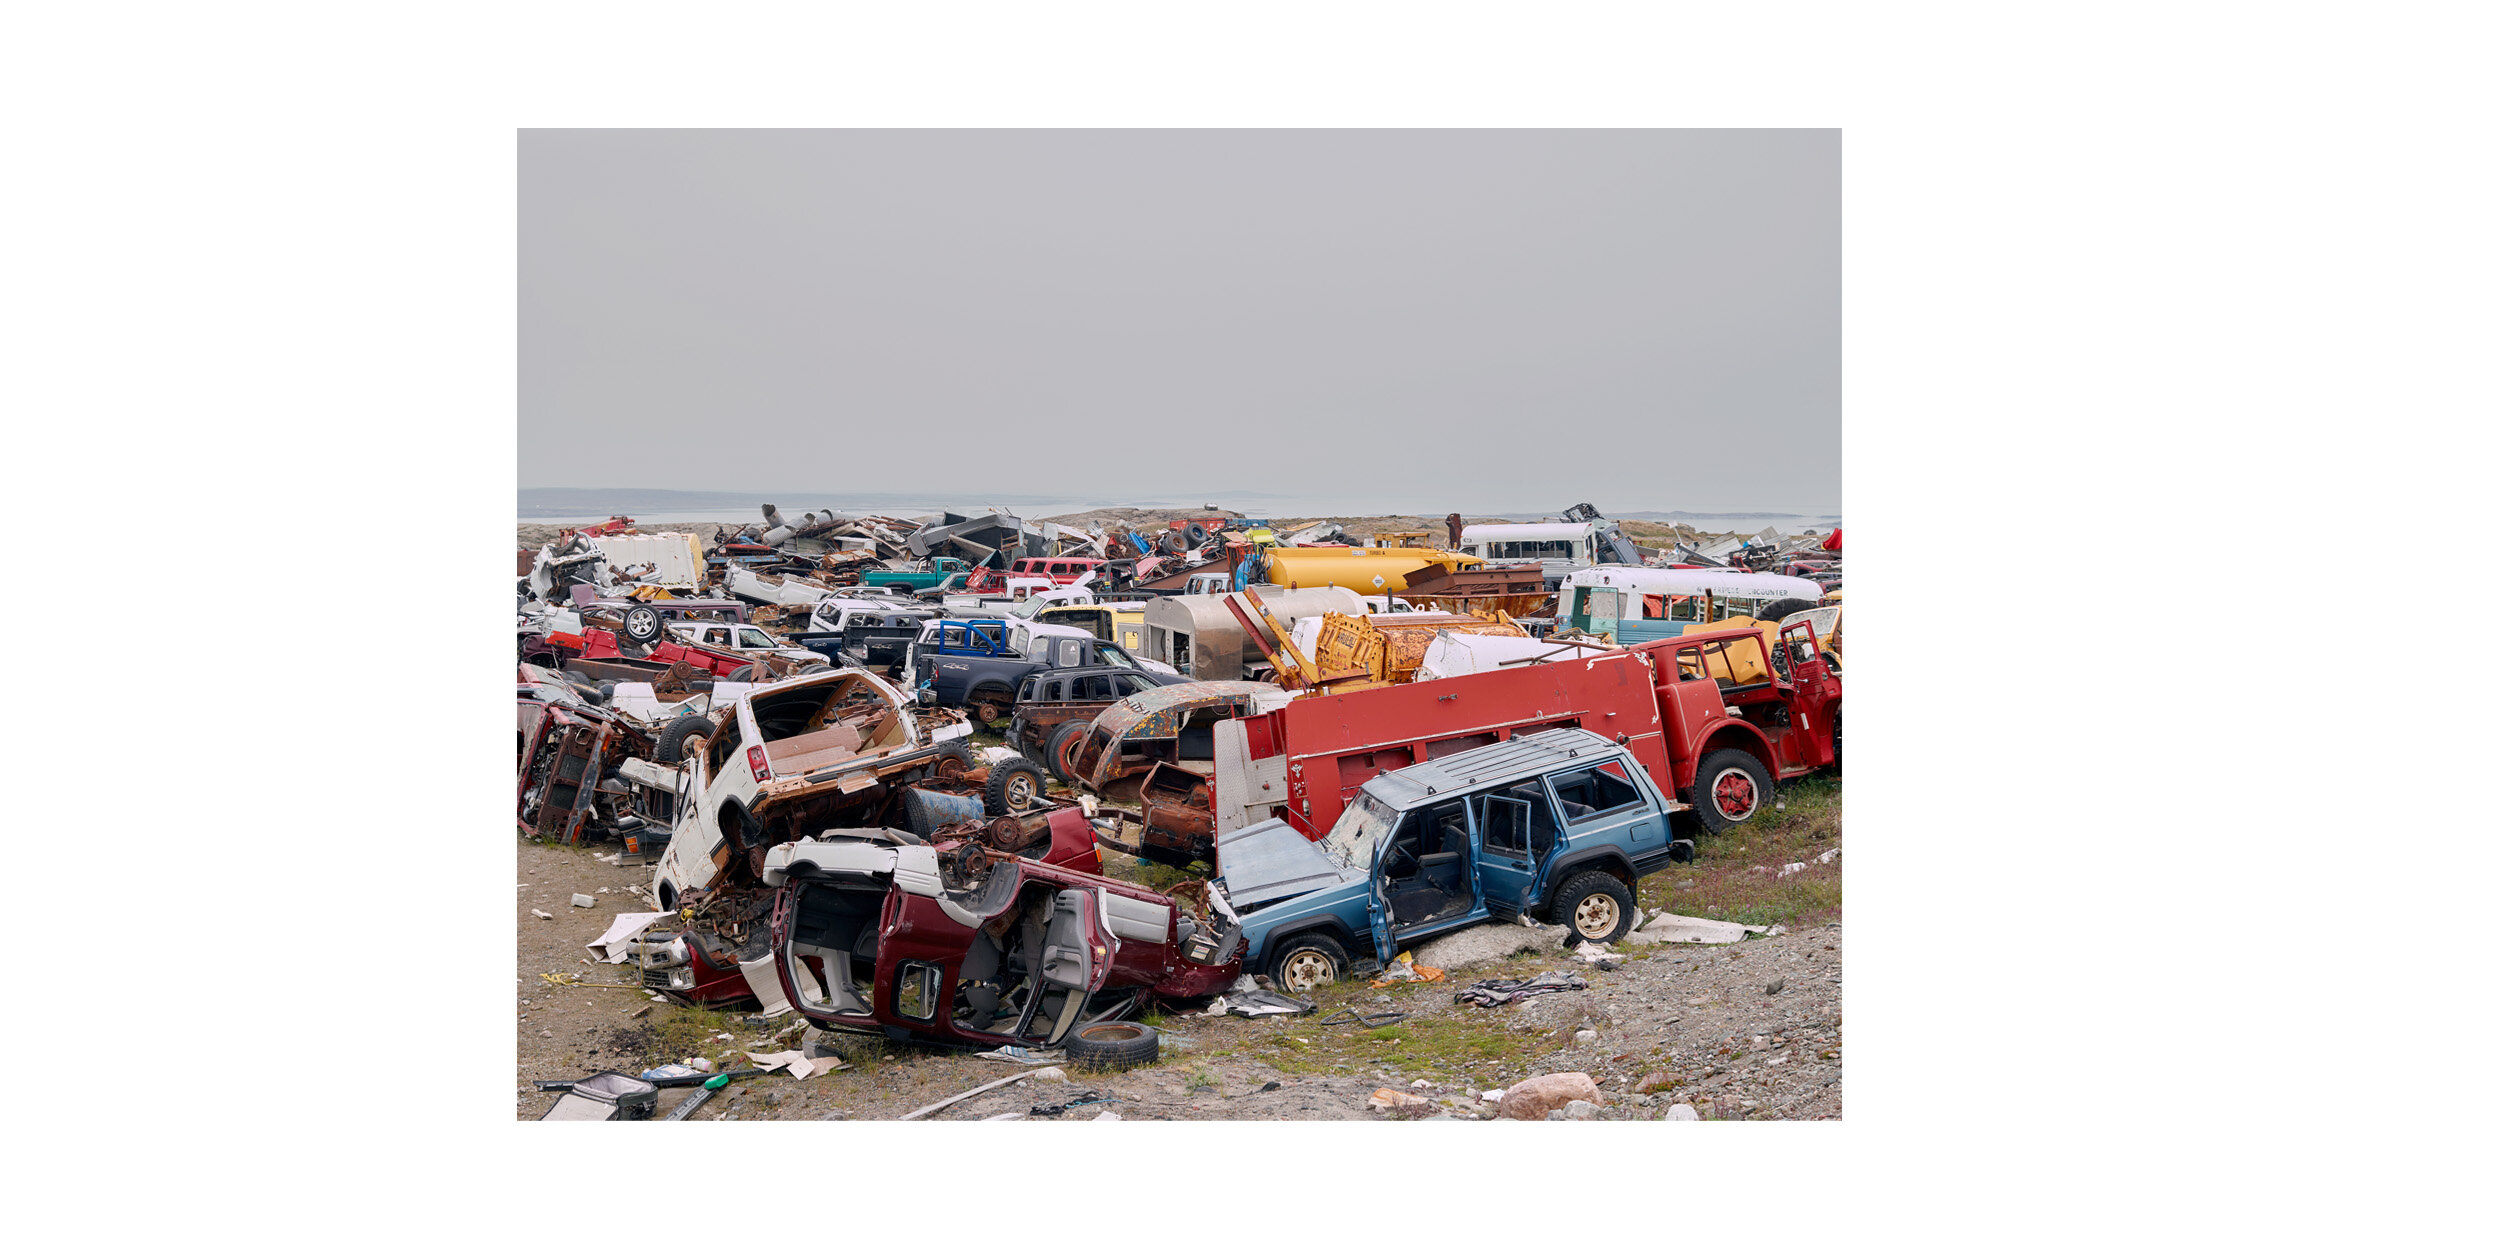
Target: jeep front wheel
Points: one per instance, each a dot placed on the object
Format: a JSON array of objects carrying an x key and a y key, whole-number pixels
[
  {"x": 1306, "y": 962},
  {"x": 1729, "y": 788}
]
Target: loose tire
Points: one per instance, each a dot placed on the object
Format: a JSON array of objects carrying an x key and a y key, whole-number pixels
[
  {"x": 1305, "y": 962},
  {"x": 1596, "y": 906},
  {"x": 1113, "y": 1047},
  {"x": 1782, "y": 609},
  {"x": 744, "y": 672},
  {"x": 1060, "y": 754},
  {"x": 1015, "y": 788},
  {"x": 954, "y": 759},
  {"x": 643, "y": 625},
  {"x": 670, "y": 746},
  {"x": 1729, "y": 788}
]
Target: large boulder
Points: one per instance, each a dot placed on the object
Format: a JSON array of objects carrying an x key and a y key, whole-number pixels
[{"x": 1532, "y": 1098}]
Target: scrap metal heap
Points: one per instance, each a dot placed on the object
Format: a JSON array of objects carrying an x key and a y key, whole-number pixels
[{"x": 658, "y": 675}]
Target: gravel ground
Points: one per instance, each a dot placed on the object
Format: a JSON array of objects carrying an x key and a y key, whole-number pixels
[{"x": 1750, "y": 1031}]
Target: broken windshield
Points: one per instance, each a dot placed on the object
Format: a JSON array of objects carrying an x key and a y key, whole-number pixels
[{"x": 1350, "y": 841}]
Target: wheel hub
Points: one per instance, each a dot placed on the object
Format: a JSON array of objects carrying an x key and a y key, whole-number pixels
[
  {"x": 1595, "y": 916},
  {"x": 1735, "y": 794},
  {"x": 1306, "y": 971}
]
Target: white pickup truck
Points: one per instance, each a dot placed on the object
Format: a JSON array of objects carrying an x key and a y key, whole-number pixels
[
  {"x": 744, "y": 639},
  {"x": 789, "y": 759}
]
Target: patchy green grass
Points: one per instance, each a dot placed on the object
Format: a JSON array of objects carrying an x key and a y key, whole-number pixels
[
  {"x": 1448, "y": 1048},
  {"x": 1203, "y": 1077},
  {"x": 1721, "y": 884},
  {"x": 685, "y": 1032}
]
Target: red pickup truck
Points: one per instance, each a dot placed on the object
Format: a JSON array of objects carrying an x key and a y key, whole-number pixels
[
  {"x": 1061, "y": 570},
  {"x": 1717, "y": 718},
  {"x": 599, "y": 644}
]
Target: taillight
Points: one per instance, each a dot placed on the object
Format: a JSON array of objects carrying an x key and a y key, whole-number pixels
[{"x": 755, "y": 763}]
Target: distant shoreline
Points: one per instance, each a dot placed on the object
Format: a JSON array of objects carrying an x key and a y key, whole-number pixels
[{"x": 583, "y": 505}]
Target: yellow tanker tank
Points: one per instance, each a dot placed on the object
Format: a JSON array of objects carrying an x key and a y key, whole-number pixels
[{"x": 1363, "y": 570}]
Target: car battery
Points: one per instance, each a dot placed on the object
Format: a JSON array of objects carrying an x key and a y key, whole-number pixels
[{"x": 607, "y": 1096}]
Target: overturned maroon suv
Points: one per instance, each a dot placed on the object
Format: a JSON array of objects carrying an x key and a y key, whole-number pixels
[{"x": 875, "y": 930}]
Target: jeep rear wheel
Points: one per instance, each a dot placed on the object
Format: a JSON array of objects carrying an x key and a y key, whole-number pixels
[
  {"x": 1596, "y": 906},
  {"x": 1729, "y": 788}
]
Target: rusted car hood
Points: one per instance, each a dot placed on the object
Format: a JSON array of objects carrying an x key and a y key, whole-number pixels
[{"x": 1271, "y": 860}]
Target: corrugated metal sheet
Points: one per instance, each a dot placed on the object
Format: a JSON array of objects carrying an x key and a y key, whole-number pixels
[{"x": 1527, "y": 753}]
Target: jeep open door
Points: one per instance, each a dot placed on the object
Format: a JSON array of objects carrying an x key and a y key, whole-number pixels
[{"x": 1516, "y": 834}]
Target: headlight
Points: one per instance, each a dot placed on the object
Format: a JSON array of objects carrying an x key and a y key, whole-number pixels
[{"x": 681, "y": 979}]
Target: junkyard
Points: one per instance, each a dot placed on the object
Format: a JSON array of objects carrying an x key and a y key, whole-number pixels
[{"x": 1178, "y": 815}]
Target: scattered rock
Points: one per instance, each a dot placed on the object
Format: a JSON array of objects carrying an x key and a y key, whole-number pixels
[
  {"x": 1777, "y": 984},
  {"x": 1584, "y": 1037},
  {"x": 1654, "y": 1081},
  {"x": 1532, "y": 1098},
  {"x": 1683, "y": 1111},
  {"x": 1386, "y": 1099},
  {"x": 1486, "y": 943},
  {"x": 1576, "y": 1109},
  {"x": 540, "y": 914},
  {"x": 1054, "y": 1076}
]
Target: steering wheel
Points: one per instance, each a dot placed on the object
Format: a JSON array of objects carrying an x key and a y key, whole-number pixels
[{"x": 1401, "y": 861}]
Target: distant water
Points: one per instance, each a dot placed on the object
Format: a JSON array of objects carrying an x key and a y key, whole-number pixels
[{"x": 1714, "y": 522}]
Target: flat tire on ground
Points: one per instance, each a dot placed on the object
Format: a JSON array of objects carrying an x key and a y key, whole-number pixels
[
  {"x": 1113, "y": 1047},
  {"x": 1306, "y": 961},
  {"x": 1730, "y": 788},
  {"x": 1596, "y": 906}
]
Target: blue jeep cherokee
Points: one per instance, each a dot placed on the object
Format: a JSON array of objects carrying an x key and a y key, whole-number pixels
[{"x": 1557, "y": 824}]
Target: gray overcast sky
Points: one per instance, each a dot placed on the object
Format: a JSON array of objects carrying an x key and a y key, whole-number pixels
[{"x": 1487, "y": 320}]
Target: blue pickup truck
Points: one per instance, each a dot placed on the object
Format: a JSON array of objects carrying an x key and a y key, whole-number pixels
[
  {"x": 979, "y": 663},
  {"x": 1558, "y": 825}
]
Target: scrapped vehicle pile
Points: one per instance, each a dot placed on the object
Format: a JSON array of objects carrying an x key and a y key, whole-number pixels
[{"x": 1344, "y": 752}]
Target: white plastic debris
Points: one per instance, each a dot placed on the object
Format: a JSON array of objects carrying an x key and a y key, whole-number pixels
[
  {"x": 1786, "y": 869},
  {"x": 584, "y": 900}
]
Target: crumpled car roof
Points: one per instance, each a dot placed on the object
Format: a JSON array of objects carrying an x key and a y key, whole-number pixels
[{"x": 1158, "y": 713}]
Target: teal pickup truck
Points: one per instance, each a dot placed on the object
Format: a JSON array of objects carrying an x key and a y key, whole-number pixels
[{"x": 932, "y": 571}]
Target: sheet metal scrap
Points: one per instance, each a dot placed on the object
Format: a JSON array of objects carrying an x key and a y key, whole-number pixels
[{"x": 1498, "y": 991}]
